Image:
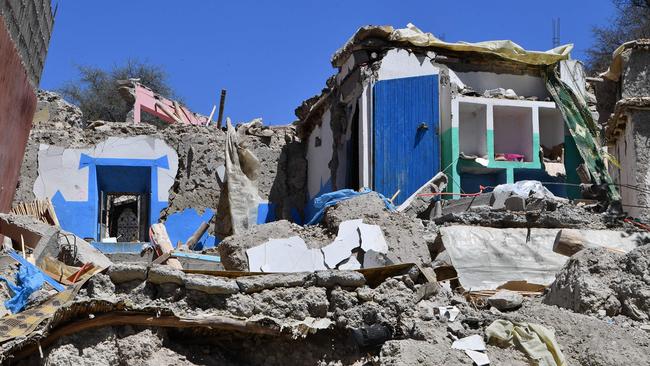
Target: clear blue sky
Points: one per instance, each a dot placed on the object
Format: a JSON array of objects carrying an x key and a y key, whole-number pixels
[{"x": 271, "y": 55}]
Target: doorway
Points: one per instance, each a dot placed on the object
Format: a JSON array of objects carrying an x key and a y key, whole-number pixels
[{"x": 124, "y": 203}]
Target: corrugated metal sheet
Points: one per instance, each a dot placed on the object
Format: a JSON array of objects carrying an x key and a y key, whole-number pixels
[{"x": 406, "y": 152}]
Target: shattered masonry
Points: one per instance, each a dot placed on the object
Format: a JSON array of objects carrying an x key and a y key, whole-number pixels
[{"x": 490, "y": 235}]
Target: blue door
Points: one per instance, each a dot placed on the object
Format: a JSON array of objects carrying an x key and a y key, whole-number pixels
[{"x": 405, "y": 137}]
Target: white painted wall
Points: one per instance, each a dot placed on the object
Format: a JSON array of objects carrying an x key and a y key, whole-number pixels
[
  {"x": 400, "y": 63},
  {"x": 58, "y": 168},
  {"x": 473, "y": 129},
  {"x": 365, "y": 134},
  {"x": 523, "y": 85},
  {"x": 318, "y": 157},
  {"x": 513, "y": 130},
  {"x": 551, "y": 127}
]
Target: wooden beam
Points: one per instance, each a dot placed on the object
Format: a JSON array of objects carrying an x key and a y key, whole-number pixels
[
  {"x": 192, "y": 240},
  {"x": 158, "y": 234}
]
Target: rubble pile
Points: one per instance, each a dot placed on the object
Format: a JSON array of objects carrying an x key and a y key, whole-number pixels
[
  {"x": 600, "y": 282},
  {"x": 186, "y": 243}
]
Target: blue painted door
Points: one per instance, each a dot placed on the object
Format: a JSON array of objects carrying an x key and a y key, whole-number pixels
[{"x": 405, "y": 137}]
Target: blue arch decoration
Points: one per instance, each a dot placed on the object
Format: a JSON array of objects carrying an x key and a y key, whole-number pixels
[{"x": 80, "y": 217}]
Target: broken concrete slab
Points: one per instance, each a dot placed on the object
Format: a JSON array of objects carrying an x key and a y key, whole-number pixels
[
  {"x": 251, "y": 284},
  {"x": 505, "y": 300},
  {"x": 232, "y": 250},
  {"x": 372, "y": 238},
  {"x": 211, "y": 284},
  {"x": 46, "y": 240},
  {"x": 466, "y": 203},
  {"x": 407, "y": 238},
  {"x": 126, "y": 272},
  {"x": 515, "y": 203},
  {"x": 339, "y": 278},
  {"x": 346, "y": 240},
  {"x": 160, "y": 274}
]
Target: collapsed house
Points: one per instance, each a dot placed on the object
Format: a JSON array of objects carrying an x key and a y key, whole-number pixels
[
  {"x": 179, "y": 242},
  {"x": 484, "y": 114},
  {"x": 623, "y": 103}
]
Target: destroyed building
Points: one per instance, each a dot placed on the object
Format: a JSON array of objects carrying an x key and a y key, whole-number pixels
[
  {"x": 325, "y": 242},
  {"x": 404, "y": 106},
  {"x": 623, "y": 103}
]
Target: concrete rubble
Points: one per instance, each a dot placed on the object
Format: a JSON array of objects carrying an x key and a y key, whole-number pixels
[{"x": 474, "y": 279}]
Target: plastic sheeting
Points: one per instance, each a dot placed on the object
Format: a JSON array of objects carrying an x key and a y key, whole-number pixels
[
  {"x": 486, "y": 258},
  {"x": 506, "y": 49},
  {"x": 239, "y": 198},
  {"x": 616, "y": 68},
  {"x": 330, "y": 199},
  {"x": 411, "y": 34},
  {"x": 28, "y": 281},
  {"x": 526, "y": 188},
  {"x": 536, "y": 341}
]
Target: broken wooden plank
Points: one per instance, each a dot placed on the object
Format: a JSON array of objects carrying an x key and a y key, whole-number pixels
[
  {"x": 192, "y": 240},
  {"x": 158, "y": 234},
  {"x": 569, "y": 242}
]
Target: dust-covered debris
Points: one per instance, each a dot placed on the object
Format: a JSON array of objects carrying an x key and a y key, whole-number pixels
[
  {"x": 408, "y": 238},
  {"x": 600, "y": 280}
]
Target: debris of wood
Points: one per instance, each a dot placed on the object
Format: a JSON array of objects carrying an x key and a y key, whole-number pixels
[
  {"x": 190, "y": 243},
  {"x": 158, "y": 234},
  {"x": 40, "y": 209}
]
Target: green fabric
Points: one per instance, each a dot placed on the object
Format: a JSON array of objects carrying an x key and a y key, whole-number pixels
[
  {"x": 583, "y": 128},
  {"x": 536, "y": 341}
]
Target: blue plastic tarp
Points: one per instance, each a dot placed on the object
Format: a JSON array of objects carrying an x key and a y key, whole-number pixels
[
  {"x": 28, "y": 280},
  {"x": 330, "y": 199}
]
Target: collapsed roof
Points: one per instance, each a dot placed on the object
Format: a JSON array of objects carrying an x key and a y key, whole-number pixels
[{"x": 411, "y": 36}]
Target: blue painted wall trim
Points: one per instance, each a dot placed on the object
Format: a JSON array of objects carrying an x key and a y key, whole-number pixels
[
  {"x": 81, "y": 218},
  {"x": 181, "y": 225}
]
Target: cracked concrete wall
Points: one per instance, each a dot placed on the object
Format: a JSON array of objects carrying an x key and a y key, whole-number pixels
[
  {"x": 200, "y": 152},
  {"x": 636, "y": 72}
]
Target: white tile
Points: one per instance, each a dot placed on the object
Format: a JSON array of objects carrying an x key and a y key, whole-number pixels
[
  {"x": 473, "y": 343},
  {"x": 372, "y": 238},
  {"x": 350, "y": 264},
  {"x": 480, "y": 359}
]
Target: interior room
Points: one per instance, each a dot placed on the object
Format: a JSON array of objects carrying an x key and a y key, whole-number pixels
[
  {"x": 473, "y": 129},
  {"x": 513, "y": 133}
]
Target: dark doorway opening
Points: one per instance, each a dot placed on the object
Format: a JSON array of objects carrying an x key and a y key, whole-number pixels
[{"x": 124, "y": 201}]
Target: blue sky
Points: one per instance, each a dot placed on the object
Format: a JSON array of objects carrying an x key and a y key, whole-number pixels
[{"x": 271, "y": 55}]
